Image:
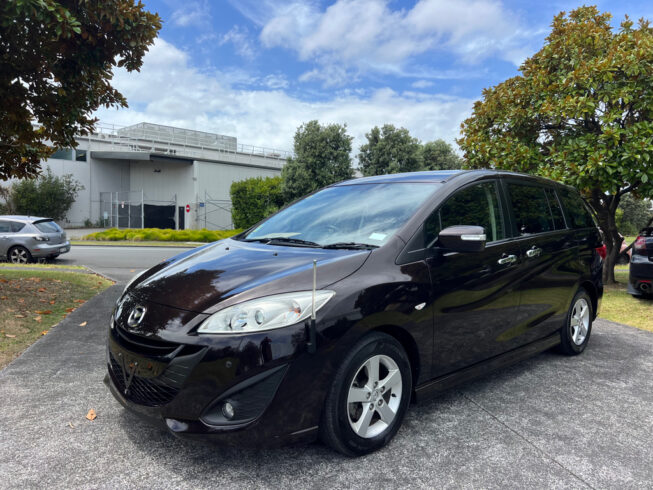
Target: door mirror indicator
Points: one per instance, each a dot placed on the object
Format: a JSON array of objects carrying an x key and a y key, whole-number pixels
[{"x": 463, "y": 238}]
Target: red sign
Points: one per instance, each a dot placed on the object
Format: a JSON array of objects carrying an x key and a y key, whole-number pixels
[{"x": 188, "y": 208}]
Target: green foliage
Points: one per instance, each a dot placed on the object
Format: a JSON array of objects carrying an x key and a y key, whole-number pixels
[
  {"x": 255, "y": 199},
  {"x": 48, "y": 196},
  {"x": 321, "y": 158},
  {"x": 581, "y": 112},
  {"x": 389, "y": 150},
  {"x": 55, "y": 70},
  {"x": 439, "y": 155},
  {"x": 633, "y": 215},
  {"x": 160, "y": 235}
]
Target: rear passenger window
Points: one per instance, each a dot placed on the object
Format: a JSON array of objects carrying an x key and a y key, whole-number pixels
[
  {"x": 5, "y": 227},
  {"x": 577, "y": 212},
  {"x": 556, "y": 210},
  {"x": 531, "y": 209},
  {"x": 477, "y": 205}
]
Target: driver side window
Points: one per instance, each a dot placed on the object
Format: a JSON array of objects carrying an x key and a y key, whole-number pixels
[{"x": 476, "y": 205}]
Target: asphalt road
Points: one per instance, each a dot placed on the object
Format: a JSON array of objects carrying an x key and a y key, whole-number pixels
[
  {"x": 118, "y": 263},
  {"x": 549, "y": 422}
]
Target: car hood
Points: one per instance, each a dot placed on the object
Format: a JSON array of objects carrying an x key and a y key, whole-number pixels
[{"x": 227, "y": 272}]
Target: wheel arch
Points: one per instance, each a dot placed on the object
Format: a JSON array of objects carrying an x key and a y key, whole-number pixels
[{"x": 594, "y": 296}]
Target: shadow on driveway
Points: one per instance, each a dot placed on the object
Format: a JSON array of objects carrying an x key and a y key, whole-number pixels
[{"x": 551, "y": 421}]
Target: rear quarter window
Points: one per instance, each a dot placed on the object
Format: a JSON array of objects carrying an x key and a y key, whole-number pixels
[{"x": 577, "y": 212}]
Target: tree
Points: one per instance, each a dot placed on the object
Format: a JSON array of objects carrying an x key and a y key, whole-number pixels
[
  {"x": 581, "y": 112},
  {"x": 389, "y": 150},
  {"x": 255, "y": 199},
  {"x": 48, "y": 196},
  {"x": 55, "y": 68},
  {"x": 439, "y": 155},
  {"x": 321, "y": 158},
  {"x": 632, "y": 215}
]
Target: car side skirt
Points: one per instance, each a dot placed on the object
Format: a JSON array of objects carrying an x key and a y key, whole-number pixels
[{"x": 432, "y": 388}]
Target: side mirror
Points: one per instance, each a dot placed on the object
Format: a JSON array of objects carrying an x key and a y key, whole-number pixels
[{"x": 463, "y": 238}]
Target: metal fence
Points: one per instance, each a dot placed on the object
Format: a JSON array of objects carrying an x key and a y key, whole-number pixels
[
  {"x": 133, "y": 209},
  {"x": 214, "y": 214}
]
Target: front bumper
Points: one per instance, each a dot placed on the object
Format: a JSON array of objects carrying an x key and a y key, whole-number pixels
[
  {"x": 44, "y": 249},
  {"x": 183, "y": 386}
]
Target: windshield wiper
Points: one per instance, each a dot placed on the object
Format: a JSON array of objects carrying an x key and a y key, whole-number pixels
[
  {"x": 295, "y": 242},
  {"x": 351, "y": 245}
]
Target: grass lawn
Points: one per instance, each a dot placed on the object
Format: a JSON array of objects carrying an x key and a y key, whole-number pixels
[
  {"x": 39, "y": 266},
  {"x": 31, "y": 302},
  {"x": 128, "y": 243},
  {"x": 619, "y": 306}
]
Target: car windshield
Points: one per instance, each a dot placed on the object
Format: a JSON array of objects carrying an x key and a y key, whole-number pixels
[{"x": 347, "y": 216}]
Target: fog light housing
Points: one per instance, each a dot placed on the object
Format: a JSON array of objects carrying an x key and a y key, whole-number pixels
[{"x": 228, "y": 410}]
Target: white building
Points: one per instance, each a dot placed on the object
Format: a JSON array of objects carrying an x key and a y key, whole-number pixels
[{"x": 159, "y": 176}]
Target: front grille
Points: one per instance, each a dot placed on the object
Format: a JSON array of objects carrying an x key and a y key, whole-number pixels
[{"x": 150, "y": 392}]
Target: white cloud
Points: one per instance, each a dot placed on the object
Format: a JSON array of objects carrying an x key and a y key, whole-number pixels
[
  {"x": 168, "y": 90},
  {"x": 192, "y": 14},
  {"x": 358, "y": 36},
  {"x": 422, "y": 84},
  {"x": 239, "y": 37}
]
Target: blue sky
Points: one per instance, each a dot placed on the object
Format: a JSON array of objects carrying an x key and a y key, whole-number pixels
[{"x": 256, "y": 69}]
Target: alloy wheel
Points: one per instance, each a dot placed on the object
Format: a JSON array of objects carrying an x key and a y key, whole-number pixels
[
  {"x": 580, "y": 321},
  {"x": 18, "y": 256},
  {"x": 374, "y": 396}
]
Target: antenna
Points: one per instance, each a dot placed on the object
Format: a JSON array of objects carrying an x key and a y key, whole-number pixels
[{"x": 312, "y": 334}]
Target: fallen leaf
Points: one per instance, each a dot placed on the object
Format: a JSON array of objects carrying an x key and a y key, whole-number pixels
[
  {"x": 132, "y": 270},
  {"x": 91, "y": 414},
  {"x": 80, "y": 301},
  {"x": 70, "y": 310},
  {"x": 52, "y": 302},
  {"x": 3, "y": 297},
  {"x": 70, "y": 424},
  {"x": 3, "y": 280},
  {"x": 37, "y": 318},
  {"x": 44, "y": 332},
  {"x": 10, "y": 336},
  {"x": 43, "y": 312},
  {"x": 42, "y": 290},
  {"x": 83, "y": 324},
  {"x": 19, "y": 316}
]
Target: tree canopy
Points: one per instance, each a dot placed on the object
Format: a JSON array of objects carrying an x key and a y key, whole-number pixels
[
  {"x": 321, "y": 158},
  {"x": 439, "y": 155},
  {"x": 389, "y": 150},
  {"x": 56, "y": 65},
  {"x": 581, "y": 112}
]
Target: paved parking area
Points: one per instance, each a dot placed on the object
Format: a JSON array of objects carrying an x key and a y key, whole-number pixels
[{"x": 549, "y": 422}]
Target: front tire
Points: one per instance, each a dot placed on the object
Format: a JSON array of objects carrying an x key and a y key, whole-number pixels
[
  {"x": 368, "y": 398},
  {"x": 575, "y": 334},
  {"x": 19, "y": 255}
]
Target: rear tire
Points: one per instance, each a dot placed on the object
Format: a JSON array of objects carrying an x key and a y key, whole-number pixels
[
  {"x": 19, "y": 255},
  {"x": 368, "y": 398},
  {"x": 575, "y": 334}
]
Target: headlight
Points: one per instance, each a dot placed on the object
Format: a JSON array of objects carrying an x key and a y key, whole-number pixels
[{"x": 279, "y": 310}]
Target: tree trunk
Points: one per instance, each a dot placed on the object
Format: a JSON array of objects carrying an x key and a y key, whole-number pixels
[{"x": 606, "y": 209}]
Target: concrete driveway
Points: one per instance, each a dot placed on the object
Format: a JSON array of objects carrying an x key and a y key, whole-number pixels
[{"x": 549, "y": 422}]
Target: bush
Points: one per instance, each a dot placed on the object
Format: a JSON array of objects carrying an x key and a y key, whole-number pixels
[
  {"x": 47, "y": 195},
  {"x": 255, "y": 199},
  {"x": 160, "y": 235}
]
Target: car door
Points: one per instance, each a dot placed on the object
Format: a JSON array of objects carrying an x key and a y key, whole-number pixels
[
  {"x": 5, "y": 234},
  {"x": 475, "y": 294},
  {"x": 549, "y": 255}
]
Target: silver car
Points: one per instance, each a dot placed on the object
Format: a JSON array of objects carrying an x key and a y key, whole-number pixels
[{"x": 25, "y": 238}]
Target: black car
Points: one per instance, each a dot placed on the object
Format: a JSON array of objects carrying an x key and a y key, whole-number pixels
[
  {"x": 640, "y": 281},
  {"x": 329, "y": 317}
]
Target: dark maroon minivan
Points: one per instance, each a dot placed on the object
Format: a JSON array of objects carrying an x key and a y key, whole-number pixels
[{"x": 328, "y": 318}]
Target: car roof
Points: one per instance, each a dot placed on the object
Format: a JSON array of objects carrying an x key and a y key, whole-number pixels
[
  {"x": 441, "y": 176},
  {"x": 26, "y": 219}
]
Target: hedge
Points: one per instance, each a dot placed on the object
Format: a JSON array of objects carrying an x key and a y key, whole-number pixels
[
  {"x": 160, "y": 235},
  {"x": 255, "y": 199}
]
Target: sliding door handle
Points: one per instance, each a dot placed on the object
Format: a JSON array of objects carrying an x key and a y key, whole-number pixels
[
  {"x": 508, "y": 259},
  {"x": 533, "y": 252}
]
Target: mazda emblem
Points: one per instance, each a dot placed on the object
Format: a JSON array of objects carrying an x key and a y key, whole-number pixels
[{"x": 136, "y": 316}]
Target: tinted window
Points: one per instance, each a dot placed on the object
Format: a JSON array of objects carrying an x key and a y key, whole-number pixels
[
  {"x": 16, "y": 226},
  {"x": 578, "y": 215},
  {"x": 47, "y": 227},
  {"x": 63, "y": 154},
  {"x": 477, "y": 205},
  {"x": 5, "y": 227},
  {"x": 556, "y": 210},
  {"x": 531, "y": 209}
]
